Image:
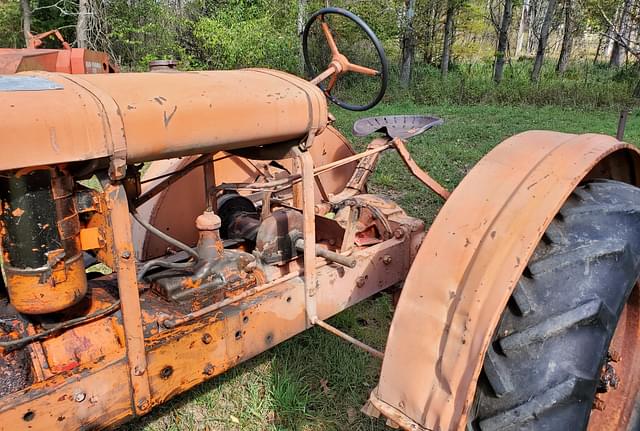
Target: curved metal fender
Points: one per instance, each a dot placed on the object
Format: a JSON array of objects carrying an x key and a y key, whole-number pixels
[{"x": 470, "y": 262}]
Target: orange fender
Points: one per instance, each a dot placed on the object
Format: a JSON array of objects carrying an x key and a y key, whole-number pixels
[{"x": 469, "y": 264}]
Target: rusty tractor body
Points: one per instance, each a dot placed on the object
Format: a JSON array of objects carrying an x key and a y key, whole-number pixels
[{"x": 252, "y": 224}]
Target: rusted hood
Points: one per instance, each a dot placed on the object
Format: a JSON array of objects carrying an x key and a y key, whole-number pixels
[{"x": 54, "y": 118}]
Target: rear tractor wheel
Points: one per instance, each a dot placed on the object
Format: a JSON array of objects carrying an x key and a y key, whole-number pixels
[{"x": 566, "y": 353}]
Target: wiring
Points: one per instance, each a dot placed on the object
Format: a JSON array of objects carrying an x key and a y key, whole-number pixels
[{"x": 21, "y": 342}]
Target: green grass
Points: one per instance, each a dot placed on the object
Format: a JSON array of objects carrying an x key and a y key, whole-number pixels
[
  {"x": 471, "y": 83},
  {"x": 316, "y": 381}
]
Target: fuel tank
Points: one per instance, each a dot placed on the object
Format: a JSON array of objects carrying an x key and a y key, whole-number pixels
[{"x": 51, "y": 118}]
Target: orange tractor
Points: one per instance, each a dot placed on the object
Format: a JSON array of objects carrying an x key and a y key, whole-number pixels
[{"x": 253, "y": 223}]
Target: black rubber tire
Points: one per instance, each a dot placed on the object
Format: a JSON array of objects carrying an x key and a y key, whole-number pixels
[{"x": 542, "y": 369}]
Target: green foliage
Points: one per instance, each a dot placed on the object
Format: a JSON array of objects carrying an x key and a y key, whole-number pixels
[
  {"x": 54, "y": 14},
  {"x": 140, "y": 31},
  {"x": 10, "y": 24},
  {"x": 583, "y": 85},
  {"x": 227, "y": 34},
  {"x": 246, "y": 34}
]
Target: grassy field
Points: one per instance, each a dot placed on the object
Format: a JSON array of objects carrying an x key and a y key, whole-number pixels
[{"x": 317, "y": 381}]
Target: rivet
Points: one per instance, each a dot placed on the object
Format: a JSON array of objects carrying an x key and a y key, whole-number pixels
[
  {"x": 143, "y": 404},
  {"x": 126, "y": 254},
  {"x": 206, "y": 338},
  {"x": 208, "y": 369},
  {"x": 598, "y": 404},
  {"x": 386, "y": 259},
  {"x": 360, "y": 281},
  {"x": 615, "y": 355},
  {"x": 79, "y": 397}
]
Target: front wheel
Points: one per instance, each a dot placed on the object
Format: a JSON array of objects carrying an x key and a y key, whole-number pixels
[{"x": 566, "y": 353}]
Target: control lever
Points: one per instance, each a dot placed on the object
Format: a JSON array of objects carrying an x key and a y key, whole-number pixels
[{"x": 331, "y": 256}]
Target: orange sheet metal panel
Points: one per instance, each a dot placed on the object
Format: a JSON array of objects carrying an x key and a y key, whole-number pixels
[
  {"x": 149, "y": 116},
  {"x": 469, "y": 263}
]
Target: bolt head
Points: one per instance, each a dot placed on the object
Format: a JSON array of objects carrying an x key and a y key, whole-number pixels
[
  {"x": 126, "y": 254},
  {"x": 208, "y": 369},
  {"x": 360, "y": 281},
  {"x": 598, "y": 404},
  {"x": 79, "y": 397},
  {"x": 144, "y": 404},
  {"x": 207, "y": 338},
  {"x": 615, "y": 355}
]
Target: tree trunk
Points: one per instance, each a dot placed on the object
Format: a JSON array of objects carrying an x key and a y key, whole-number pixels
[
  {"x": 617, "y": 51},
  {"x": 544, "y": 38},
  {"x": 301, "y": 21},
  {"x": 26, "y": 20},
  {"x": 503, "y": 40},
  {"x": 448, "y": 38},
  {"x": 532, "y": 36},
  {"x": 567, "y": 38},
  {"x": 521, "y": 28},
  {"x": 431, "y": 34},
  {"x": 609, "y": 47},
  {"x": 82, "y": 25},
  {"x": 407, "y": 44}
]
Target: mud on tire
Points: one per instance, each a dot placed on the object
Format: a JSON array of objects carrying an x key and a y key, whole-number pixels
[{"x": 543, "y": 367}]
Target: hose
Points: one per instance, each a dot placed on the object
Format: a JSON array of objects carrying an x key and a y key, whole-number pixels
[
  {"x": 157, "y": 232},
  {"x": 21, "y": 342}
]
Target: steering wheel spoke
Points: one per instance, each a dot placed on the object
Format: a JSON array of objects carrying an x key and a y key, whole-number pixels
[
  {"x": 362, "y": 69},
  {"x": 339, "y": 63},
  {"x": 329, "y": 37},
  {"x": 331, "y": 84}
]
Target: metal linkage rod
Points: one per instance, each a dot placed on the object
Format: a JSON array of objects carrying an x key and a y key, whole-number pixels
[{"x": 335, "y": 331}]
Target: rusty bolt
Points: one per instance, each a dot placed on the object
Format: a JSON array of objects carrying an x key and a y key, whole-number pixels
[
  {"x": 398, "y": 233},
  {"x": 144, "y": 404},
  {"x": 615, "y": 355},
  {"x": 79, "y": 397},
  {"x": 360, "y": 281},
  {"x": 598, "y": 403},
  {"x": 126, "y": 254},
  {"x": 206, "y": 338},
  {"x": 208, "y": 369},
  {"x": 386, "y": 259}
]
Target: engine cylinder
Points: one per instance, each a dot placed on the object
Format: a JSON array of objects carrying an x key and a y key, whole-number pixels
[{"x": 42, "y": 254}]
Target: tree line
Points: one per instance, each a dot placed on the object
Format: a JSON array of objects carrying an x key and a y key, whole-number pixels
[{"x": 441, "y": 33}]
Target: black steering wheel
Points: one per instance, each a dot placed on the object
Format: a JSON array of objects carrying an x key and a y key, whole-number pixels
[{"x": 340, "y": 64}]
